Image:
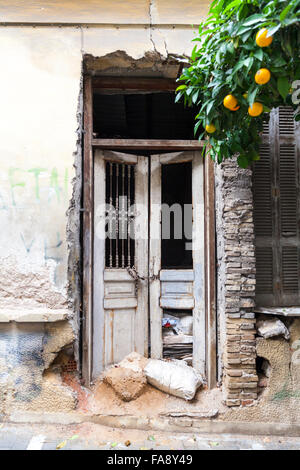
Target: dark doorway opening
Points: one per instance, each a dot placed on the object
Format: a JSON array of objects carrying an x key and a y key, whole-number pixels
[
  {"x": 141, "y": 116},
  {"x": 177, "y": 218}
]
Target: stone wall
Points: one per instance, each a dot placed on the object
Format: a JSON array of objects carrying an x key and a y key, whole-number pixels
[{"x": 236, "y": 283}]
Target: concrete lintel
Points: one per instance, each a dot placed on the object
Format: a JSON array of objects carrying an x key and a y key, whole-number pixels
[
  {"x": 40, "y": 315},
  {"x": 283, "y": 311}
]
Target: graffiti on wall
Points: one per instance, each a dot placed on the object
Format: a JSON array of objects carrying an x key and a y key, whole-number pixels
[{"x": 34, "y": 201}]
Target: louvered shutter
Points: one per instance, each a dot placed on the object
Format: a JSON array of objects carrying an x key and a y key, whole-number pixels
[{"x": 276, "y": 212}]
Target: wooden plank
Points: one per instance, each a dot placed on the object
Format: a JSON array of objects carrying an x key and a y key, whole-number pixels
[
  {"x": 177, "y": 289},
  {"x": 111, "y": 274},
  {"x": 118, "y": 157},
  {"x": 121, "y": 303},
  {"x": 199, "y": 321},
  {"x": 119, "y": 289},
  {"x": 134, "y": 83},
  {"x": 284, "y": 311},
  {"x": 141, "y": 255},
  {"x": 155, "y": 258},
  {"x": 210, "y": 269},
  {"x": 99, "y": 265},
  {"x": 179, "y": 303},
  {"x": 87, "y": 231},
  {"x": 176, "y": 275},
  {"x": 147, "y": 144},
  {"x": 178, "y": 157}
]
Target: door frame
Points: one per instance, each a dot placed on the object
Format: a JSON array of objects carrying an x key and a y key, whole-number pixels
[{"x": 89, "y": 144}]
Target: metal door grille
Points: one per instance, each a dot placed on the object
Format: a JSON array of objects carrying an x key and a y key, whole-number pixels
[{"x": 120, "y": 190}]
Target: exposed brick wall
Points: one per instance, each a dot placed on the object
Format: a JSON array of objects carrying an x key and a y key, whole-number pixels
[{"x": 236, "y": 283}]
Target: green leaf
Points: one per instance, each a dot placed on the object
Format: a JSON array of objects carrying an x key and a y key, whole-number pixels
[
  {"x": 178, "y": 96},
  {"x": 246, "y": 35},
  {"x": 238, "y": 66},
  {"x": 266, "y": 109},
  {"x": 257, "y": 18},
  {"x": 197, "y": 127},
  {"x": 259, "y": 54},
  {"x": 285, "y": 12},
  {"x": 232, "y": 5},
  {"x": 283, "y": 86},
  {"x": 181, "y": 87},
  {"x": 242, "y": 161},
  {"x": 273, "y": 30},
  {"x": 210, "y": 106},
  {"x": 252, "y": 96}
]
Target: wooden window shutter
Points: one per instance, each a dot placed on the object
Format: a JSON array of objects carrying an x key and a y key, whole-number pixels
[{"x": 276, "y": 212}]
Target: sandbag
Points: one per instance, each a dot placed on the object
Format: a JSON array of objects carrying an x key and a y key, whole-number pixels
[{"x": 173, "y": 377}]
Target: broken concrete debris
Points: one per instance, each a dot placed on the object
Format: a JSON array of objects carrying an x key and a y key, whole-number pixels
[
  {"x": 271, "y": 328},
  {"x": 134, "y": 361},
  {"x": 127, "y": 383},
  {"x": 173, "y": 377},
  {"x": 209, "y": 414},
  {"x": 129, "y": 377}
]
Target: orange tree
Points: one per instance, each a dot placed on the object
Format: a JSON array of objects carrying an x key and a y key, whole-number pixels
[{"x": 246, "y": 61}]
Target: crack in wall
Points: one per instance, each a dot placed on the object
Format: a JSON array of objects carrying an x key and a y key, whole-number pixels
[
  {"x": 151, "y": 5},
  {"x": 74, "y": 229}
]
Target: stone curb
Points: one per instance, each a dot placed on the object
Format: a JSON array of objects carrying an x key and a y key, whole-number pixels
[{"x": 157, "y": 423}]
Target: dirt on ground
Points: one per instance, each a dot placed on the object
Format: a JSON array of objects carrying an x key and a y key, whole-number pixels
[{"x": 151, "y": 402}]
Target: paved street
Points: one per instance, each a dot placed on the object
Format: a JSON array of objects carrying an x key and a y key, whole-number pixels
[{"x": 96, "y": 437}]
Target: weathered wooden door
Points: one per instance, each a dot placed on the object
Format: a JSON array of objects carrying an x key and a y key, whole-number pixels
[
  {"x": 120, "y": 300},
  {"x": 178, "y": 288},
  {"x": 130, "y": 286}
]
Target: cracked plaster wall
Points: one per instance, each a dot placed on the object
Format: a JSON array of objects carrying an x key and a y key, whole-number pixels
[
  {"x": 40, "y": 167},
  {"x": 26, "y": 354},
  {"x": 279, "y": 402}
]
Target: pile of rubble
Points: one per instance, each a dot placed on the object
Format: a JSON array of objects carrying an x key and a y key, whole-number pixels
[{"x": 129, "y": 377}]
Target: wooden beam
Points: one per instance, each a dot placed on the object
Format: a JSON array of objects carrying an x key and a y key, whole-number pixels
[
  {"x": 87, "y": 231},
  {"x": 134, "y": 83},
  {"x": 147, "y": 144},
  {"x": 210, "y": 271}
]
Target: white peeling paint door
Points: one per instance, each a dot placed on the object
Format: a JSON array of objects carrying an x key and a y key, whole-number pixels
[
  {"x": 129, "y": 286},
  {"x": 177, "y": 289},
  {"x": 120, "y": 302}
]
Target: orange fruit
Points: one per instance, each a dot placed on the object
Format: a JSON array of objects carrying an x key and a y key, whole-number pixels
[
  {"x": 256, "y": 109},
  {"x": 261, "y": 38},
  {"x": 210, "y": 128},
  {"x": 230, "y": 102},
  {"x": 262, "y": 76}
]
